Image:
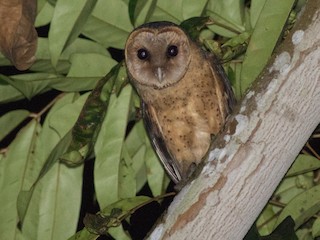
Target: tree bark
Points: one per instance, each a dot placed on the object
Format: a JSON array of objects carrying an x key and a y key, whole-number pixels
[{"x": 260, "y": 142}]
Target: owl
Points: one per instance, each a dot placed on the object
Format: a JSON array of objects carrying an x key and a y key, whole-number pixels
[{"x": 185, "y": 95}]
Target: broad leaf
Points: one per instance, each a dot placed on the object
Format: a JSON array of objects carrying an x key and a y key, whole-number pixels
[
  {"x": 264, "y": 38},
  {"x": 71, "y": 15},
  {"x": 109, "y": 147},
  {"x": 109, "y": 23},
  {"x": 45, "y": 15},
  {"x": 18, "y": 161},
  {"x": 50, "y": 148},
  {"x": 302, "y": 207},
  {"x": 303, "y": 163},
  {"x": 227, "y": 15},
  {"x": 85, "y": 131},
  {"x": 11, "y": 120}
]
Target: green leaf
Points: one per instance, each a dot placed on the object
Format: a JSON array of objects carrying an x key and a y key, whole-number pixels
[
  {"x": 7, "y": 92},
  {"x": 119, "y": 233},
  {"x": 234, "y": 72},
  {"x": 116, "y": 233},
  {"x": 108, "y": 148},
  {"x": 81, "y": 45},
  {"x": 127, "y": 179},
  {"x": 302, "y": 207},
  {"x": 293, "y": 186},
  {"x": 40, "y": 5},
  {"x": 267, "y": 220},
  {"x": 109, "y": 24},
  {"x": 85, "y": 131},
  {"x": 43, "y": 57},
  {"x": 139, "y": 166},
  {"x": 140, "y": 11},
  {"x": 31, "y": 84},
  {"x": 69, "y": 112},
  {"x": 284, "y": 231},
  {"x": 169, "y": 10},
  {"x": 29, "y": 77},
  {"x": 112, "y": 215},
  {"x": 255, "y": 11},
  {"x": 81, "y": 65},
  {"x": 157, "y": 179},
  {"x": 52, "y": 2},
  {"x": 304, "y": 234},
  {"x": 135, "y": 139},
  {"x": 11, "y": 120},
  {"x": 235, "y": 46},
  {"x": 135, "y": 148},
  {"x": 264, "y": 38},
  {"x": 289, "y": 188},
  {"x": 4, "y": 61},
  {"x": 316, "y": 228},
  {"x": 303, "y": 163},
  {"x": 45, "y": 15},
  {"x": 84, "y": 234},
  {"x": 191, "y": 9},
  {"x": 50, "y": 148},
  {"x": 41, "y": 82},
  {"x": 110, "y": 218},
  {"x": 98, "y": 30},
  {"x": 71, "y": 15},
  {"x": 25, "y": 196},
  {"x": 134, "y": 8},
  {"x": 173, "y": 11},
  {"x": 177, "y": 11},
  {"x": 193, "y": 26},
  {"x": 55, "y": 204},
  {"x": 227, "y": 15},
  {"x": 14, "y": 165}
]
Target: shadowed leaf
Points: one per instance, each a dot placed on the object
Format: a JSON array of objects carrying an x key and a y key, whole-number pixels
[
  {"x": 112, "y": 215},
  {"x": 302, "y": 207},
  {"x": 193, "y": 26},
  {"x": 85, "y": 131}
]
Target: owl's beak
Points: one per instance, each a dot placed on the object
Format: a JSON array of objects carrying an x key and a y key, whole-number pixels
[{"x": 159, "y": 74}]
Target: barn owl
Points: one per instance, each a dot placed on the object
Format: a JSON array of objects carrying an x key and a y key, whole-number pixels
[{"x": 185, "y": 95}]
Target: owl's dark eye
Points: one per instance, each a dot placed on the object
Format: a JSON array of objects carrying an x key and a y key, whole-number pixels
[
  {"x": 143, "y": 54},
  {"x": 172, "y": 51}
]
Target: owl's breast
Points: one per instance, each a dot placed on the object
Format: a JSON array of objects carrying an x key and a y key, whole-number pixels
[
  {"x": 189, "y": 112},
  {"x": 188, "y": 116},
  {"x": 193, "y": 100}
]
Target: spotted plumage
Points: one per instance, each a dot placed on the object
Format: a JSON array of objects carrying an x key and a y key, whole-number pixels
[{"x": 184, "y": 92}]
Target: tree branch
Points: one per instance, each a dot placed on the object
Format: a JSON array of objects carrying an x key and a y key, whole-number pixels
[{"x": 261, "y": 140}]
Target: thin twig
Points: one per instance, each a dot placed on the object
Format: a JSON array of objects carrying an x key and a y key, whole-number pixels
[
  {"x": 312, "y": 150},
  {"x": 47, "y": 107},
  {"x": 316, "y": 135}
]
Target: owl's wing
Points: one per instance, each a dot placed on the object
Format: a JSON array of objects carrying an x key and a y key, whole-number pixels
[
  {"x": 158, "y": 143},
  {"x": 222, "y": 81}
]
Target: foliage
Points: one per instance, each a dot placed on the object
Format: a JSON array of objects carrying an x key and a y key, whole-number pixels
[
  {"x": 41, "y": 169},
  {"x": 284, "y": 231}
]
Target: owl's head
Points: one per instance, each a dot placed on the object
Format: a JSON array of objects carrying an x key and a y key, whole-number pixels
[{"x": 157, "y": 54}]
